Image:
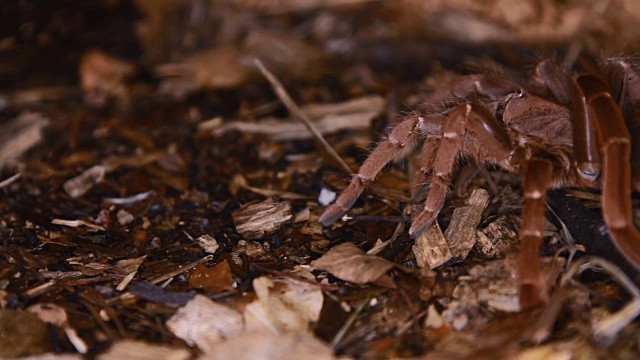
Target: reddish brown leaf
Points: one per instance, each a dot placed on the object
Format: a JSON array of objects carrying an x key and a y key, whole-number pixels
[{"x": 214, "y": 279}]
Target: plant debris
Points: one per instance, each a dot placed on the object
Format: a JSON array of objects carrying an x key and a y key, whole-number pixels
[{"x": 164, "y": 164}]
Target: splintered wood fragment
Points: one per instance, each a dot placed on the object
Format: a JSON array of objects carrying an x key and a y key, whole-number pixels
[
  {"x": 19, "y": 135},
  {"x": 494, "y": 286},
  {"x": 255, "y": 221},
  {"x": 84, "y": 182},
  {"x": 327, "y": 118},
  {"x": 40, "y": 289},
  {"x": 295, "y": 110},
  {"x": 461, "y": 233},
  {"x": 76, "y": 223},
  {"x": 497, "y": 239},
  {"x": 283, "y": 130},
  {"x": 208, "y": 243},
  {"x": 431, "y": 248}
]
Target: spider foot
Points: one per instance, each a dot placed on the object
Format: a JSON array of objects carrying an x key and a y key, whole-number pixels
[
  {"x": 332, "y": 214},
  {"x": 422, "y": 222}
]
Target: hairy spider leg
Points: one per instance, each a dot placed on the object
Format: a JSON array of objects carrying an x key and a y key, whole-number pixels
[
  {"x": 405, "y": 135},
  {"x": 537, "y": 178},
  {"x": 624, "y": 79},
  {"x": 586, "y": 149},
  {"x": 464, "y": 118},
  {"x": 400, "y": 140},
  {"x": 548, "y": 79},
  {"x": 427, "y": 158},
  {"x": 615, "y": 145}
]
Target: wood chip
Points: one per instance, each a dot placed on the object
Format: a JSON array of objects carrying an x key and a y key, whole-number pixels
[
  {"x": 19, "y": 135},
  {"x": 84, "y": 182},
  {"x": 256, "y": 221},
  {"x": 205, "y": 323},
  {"x": 461, "y": 233},
  {"x": 431, "y": 248},
  {"x": 208, "y": 243},
  {"x": 498, "y": 239},
  {"x": 327, "y": 118}
]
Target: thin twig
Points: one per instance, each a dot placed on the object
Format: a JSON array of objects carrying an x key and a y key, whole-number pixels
[
  {"x": 543, "y": 327},
  {"x": 605, "y": 329},
  {"x": 6, "y": 182},
  {"x": 349, "y": 323},
  {"x": 297, "y": 112}
]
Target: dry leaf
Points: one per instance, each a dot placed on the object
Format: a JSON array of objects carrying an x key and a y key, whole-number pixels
[
  {"x": 217, "y": 68},
  {"x": 140, "y": 350},
  {"x": 269, "y": 346},
  {"x": 285, "y": 55},
  {"x": 283, "y": 305},
  {"x": 23, "y": 333},
  {"x": 103, "y": 76},
  {"x": 347, "y": 262},
  {"x": 214, "y": 279},
  {"x": 205, "y": 323}
]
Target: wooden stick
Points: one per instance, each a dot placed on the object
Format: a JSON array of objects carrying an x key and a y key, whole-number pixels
[{"x": 296, "y": 112}]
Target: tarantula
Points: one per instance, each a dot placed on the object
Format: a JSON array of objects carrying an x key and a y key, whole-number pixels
[{"x": 556, "y": 130}]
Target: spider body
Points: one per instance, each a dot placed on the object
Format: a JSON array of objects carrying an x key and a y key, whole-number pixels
[{"x": 556, "y": 130}]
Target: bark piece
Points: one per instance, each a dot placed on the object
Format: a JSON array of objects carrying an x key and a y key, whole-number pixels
[
  {"x": 208, "y": 243},
  {"x": 431, "y": 248},
  {"x": 498, "y": 238},
  {"x": 19, "y": 135},
  {"x": 461, "y": 233},
  {"x": 256, "y": 221}
]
